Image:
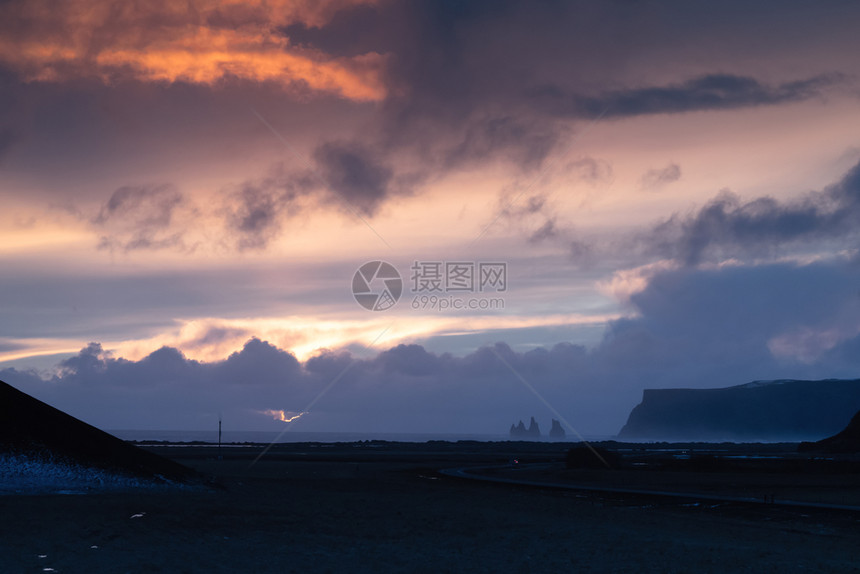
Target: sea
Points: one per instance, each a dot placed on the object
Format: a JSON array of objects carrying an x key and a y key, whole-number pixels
[{"x": 267, "y": 437}]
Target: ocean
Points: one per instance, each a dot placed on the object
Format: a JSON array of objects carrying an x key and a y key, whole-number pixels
[{"x": 232, "y": 436}]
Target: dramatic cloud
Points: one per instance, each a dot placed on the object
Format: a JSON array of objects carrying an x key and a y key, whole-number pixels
[
  {"x": 684, "y": 332},
  {"x": 527, "y": 203},
  {"x": 254, "y": 211},
  {"x": 525, "y": 143},
  {"x": 461, "y": 97},
  {"x": 140, "y": 217},
  {"x": 155, "y": 217},
  {"x": 735, "y": 314},
  {"x": 657, "y": 178},
  {"x": 546, "y": 231},
  {"x": 255, "y": 216},
  {"x": 728, "y": 227},
  {"x": 342, "y": 173},
  {"x": 530, "y": 211},
  {"x": 711, "y": 92},
  {"x": 534, "y": 126},
  {"x": 203, "y": 41},
  {"x": 353, "y": 175},
  {"x": 814, "y": 225}
]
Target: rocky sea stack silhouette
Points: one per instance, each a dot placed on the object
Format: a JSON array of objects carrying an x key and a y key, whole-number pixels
[{"x": 520, "y": 432}]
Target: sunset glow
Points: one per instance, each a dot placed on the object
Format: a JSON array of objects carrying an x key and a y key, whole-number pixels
[{"x": 608, "y": 196}]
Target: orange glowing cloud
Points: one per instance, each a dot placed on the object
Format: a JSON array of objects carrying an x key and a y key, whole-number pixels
[
  {"x": 201, "y": 41},
  {"x": 285, "y": 416}
]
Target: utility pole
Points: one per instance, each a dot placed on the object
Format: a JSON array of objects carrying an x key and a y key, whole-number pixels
[{"x": 219, "y": 437}]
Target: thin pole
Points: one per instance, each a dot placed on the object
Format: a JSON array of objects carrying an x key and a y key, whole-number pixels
[{"x": 219, "y": 438}]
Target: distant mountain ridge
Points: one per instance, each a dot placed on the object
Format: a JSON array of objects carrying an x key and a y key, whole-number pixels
[{"x": 778, "y": 410}]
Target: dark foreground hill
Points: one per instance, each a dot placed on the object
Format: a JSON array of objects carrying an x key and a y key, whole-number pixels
[
  {"x": 846, "y": 441},
  {"x": 783, "y": 410},
  {"x": 40, "y": 435}
]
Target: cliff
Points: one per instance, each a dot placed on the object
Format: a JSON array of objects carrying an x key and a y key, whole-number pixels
[{"x": 782, "y": 410}]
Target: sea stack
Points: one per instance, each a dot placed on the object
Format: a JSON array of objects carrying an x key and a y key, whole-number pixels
[
  {"x": 520, "y": 432},
  {"x": 556, "y": 432}
]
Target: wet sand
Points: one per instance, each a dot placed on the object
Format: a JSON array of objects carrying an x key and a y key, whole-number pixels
[{"x": 384, "y": 509}]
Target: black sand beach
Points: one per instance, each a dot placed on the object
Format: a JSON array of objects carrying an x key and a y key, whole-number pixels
[{"x": 384, "y": 508}]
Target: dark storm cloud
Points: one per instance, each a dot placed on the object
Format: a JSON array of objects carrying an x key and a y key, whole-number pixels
[
  {"x": 717, "y": 327},
  {"x": 546, "y": 231},
  {"x": 343, "y": 173},
  {"x": 254, "y": 213},
  {"x": 525, "y": 211},
  {"x": 525, "y": 143},
  {"x": 710, "y": 92},
  {"x": 728, "y": 227},
  {"x": 450, "y": 97},
  {"x": 405, "y": 387},
  {"x": 140, "y": 217},
  {"x": 254, "y": 216},
  {"x": 472, "y": 83},
  {"x": 657, "y": 178},
  {"x": 150, "y": 206},
  {"x": 352, "y": 173},
  {"x": 169, "y": 388},
  {"x": 466, "y": 84},
  {"x": 467, "y": 66},
  {"x": 691, "y": 328}
]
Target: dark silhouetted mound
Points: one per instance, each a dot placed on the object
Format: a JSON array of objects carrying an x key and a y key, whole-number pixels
[
  {"x": 32, "y": 430},
  {"x": 784, "y": 410},
  {"x": 847, "y": 441}
]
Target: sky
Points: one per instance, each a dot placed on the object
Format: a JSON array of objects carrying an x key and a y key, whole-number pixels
[{"x": 579, "y": 201}]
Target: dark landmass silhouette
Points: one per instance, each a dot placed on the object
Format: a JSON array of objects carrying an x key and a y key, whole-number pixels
[
  {"x": 33, "y": 429},
  {"x": 846, "y": 441},
  {"x": 781, "y": 410},
  {"x": 520, "y": 432}
]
